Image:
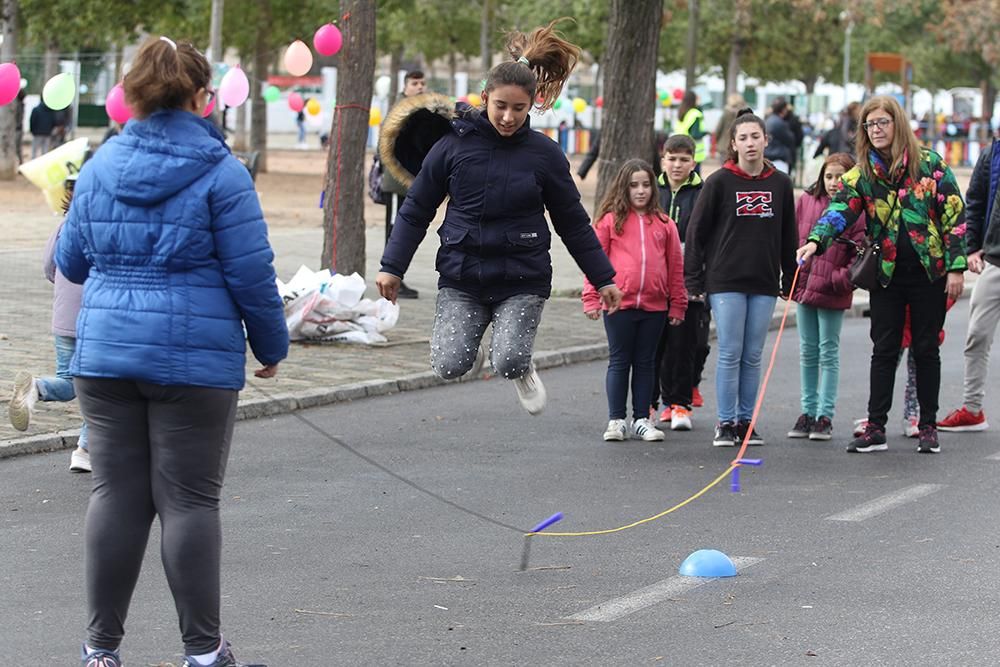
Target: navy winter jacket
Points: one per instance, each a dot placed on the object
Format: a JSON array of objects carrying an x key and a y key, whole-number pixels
[
  {"x": 982, "y": 206},
  {"x": 495, "y": 239},
  {"x": 166, "y": 230}
]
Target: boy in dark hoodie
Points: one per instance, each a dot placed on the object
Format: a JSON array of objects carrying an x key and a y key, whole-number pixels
[{"x": 679, "y": 355}]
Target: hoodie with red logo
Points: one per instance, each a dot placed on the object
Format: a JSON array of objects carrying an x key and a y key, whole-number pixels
[
  {"x": 742, "y": 235},
  {"x": 648, "y": 261}
]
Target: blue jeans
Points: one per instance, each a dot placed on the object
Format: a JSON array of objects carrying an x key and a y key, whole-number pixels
[
  {"x": 819, "y": 358},
  {"x": 632, "y": 339},
  {"x": 60, "y": 388},
  {"x": 741, "y": 323}
]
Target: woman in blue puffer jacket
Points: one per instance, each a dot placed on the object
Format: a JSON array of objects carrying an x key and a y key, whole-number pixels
[
  {"x": 166, "y": 233},
  {"x": 494, "y": 262}
]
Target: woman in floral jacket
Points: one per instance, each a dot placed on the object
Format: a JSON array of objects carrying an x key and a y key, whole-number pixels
[{"x": 916, "y": 214}]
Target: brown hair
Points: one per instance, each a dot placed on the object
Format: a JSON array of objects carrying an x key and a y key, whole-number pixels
[
  {"x": 550, "y": 58},
  {"x": 745, "y": 115},
  {"x": 616, "y": 199},
  {"x": 688, "y": 102},
  {"x": 843, "y": 159},
  {"x": 904, "y": 142},
  {"x": 679, "y": 143},
  {"x": 165, "y": 76}
]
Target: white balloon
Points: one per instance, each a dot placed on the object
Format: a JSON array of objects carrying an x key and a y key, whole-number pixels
[{"x": 382, "y": 86}]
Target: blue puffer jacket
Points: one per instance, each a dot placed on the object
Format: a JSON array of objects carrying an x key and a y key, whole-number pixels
[
  {"x": 495, "y": 239},
  {"x": 166, "y": 230}
]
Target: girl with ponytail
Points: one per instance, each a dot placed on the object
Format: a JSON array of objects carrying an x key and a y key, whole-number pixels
[{"x": 500, "y": 177}]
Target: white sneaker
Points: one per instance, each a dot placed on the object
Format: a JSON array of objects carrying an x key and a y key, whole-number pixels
[
  {"x": 22, "y": 400},
  {"x": 617, "y": 430},
  {"x": 680, "y": 418},
  {"x": 911, "y": 427},
  {"x": 643, "y": 428},
  {"x": 79, "y": 460},
  {"x": 530, "y": 391}
]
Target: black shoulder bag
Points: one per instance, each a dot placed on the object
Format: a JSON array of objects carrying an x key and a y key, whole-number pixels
[{"x": 863, "y": 272}]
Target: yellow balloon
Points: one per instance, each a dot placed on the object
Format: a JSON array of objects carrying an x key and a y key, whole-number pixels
[
  {"x": 579, "y": 104},
  {"x": 50, "y": 171},
  {"x": 375, "y": 117},
  {"x": 313, "y": 107},
  {"x": 474, "y": 100}
]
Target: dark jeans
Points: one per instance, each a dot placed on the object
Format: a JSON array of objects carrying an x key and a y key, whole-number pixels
[
  {"x": 156, "y": 451},
  {"x": 632, "y": 339},
  {"x": 911, "y": 288},
  {"x": 677, "y": 368}
]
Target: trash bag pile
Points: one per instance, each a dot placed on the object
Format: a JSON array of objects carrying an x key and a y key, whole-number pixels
[{"x": 330, "y": 308}]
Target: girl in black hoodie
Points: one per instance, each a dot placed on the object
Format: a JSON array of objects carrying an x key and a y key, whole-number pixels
[{"x": 740, "y": 252}]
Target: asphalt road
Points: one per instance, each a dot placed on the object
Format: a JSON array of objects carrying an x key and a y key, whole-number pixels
[{"x": 865, "y": 559}]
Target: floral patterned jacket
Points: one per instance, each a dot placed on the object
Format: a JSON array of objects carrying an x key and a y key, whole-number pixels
[{"x": 931, "y": 207}]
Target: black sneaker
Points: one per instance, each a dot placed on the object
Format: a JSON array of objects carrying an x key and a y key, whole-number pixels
[
  {"x": 822, "y": 429},
  {"x": 928, "y": 443},
  {"x": 803, "y": 427},
  {"x": 741, "y": 432},
  {"x": 872, "y": 439},
  {"x": 725, "y": 435},
  {"x": 406, "y": 292}
]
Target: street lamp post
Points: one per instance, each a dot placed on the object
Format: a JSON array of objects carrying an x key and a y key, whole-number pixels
[{"x": 848, "y": 29}]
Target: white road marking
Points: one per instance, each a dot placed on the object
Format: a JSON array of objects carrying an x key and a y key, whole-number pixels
[
  {"x": 644, "y": 597},
  {"x": 886, "y": 502},
  {"x": 995, "y": 457}
]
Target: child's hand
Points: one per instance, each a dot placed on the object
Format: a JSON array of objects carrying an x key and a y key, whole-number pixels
[
  {"x": 266, "y": 371},
  {"x": 675, "y": 322},
  {"x": 805, "y": 252},
  {"x": 593, "y": 314},
  {"x": 388, "y": 285},
  {"x": 611, "y": 297}
]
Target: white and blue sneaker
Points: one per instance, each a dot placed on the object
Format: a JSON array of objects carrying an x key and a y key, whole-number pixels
[
  {"x": 644, "y": 429},
  {"x": 99, "y": 657}
]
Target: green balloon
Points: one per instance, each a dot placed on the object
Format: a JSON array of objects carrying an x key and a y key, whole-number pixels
[
  {"x": 59, "y": 91},
  {"x": 663, "y": 95},
  {"x": 272, "y": 94},
  {"x": 558, "y": 103}
]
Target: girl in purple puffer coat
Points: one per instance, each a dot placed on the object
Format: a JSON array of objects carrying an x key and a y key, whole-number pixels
[{"x": 823, "y": 293}]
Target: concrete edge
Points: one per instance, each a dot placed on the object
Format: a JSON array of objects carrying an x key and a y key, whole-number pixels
[{"x": 271, "y": 405}]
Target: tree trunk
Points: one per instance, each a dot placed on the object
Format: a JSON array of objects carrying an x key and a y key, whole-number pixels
[
  {"x": 261, "y": 70},
  {"x": 51, "y": 62},
  {"x": 215, "y": 50},
  {"x": 692, "y": 44},
  {"x": 629, "y": 86},
  {"x": 9, "y": 150},
  {"x": 741, "y": 37},
  {"x": 240, "y": 133},
  {"x": 344, "y": 206},
  {"x": 452, "y": 71}
]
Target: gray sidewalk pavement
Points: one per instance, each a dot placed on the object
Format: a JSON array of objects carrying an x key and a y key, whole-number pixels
[{"x": 313, "y": 374}]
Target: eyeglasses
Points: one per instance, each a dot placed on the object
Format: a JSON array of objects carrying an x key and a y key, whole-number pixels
[{"x": 880, "y": 123}]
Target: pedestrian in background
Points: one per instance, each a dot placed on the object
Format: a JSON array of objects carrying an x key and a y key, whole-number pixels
[
  {"x": 691, "y": 121},
  {"x": 645, "y": 250},
  {"x": 41, "y": 123},
  {"x": 915, "y": 212},
  {"x": 167, "y": 231}
]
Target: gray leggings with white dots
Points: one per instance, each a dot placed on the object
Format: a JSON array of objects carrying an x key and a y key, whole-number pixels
[{"x": 460, "y": 321}]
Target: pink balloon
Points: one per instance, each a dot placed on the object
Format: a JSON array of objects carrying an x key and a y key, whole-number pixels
[
  {"x": 298, "y": 58},
  {"x": 235, "y": 88},
  {"x": 115, "y": 105},
  {"x": 209, "y": 108},
  {"x": 295, "y": 102},
  {"x": 328, "y": 40},
  {"x": 10, "y": 82}
]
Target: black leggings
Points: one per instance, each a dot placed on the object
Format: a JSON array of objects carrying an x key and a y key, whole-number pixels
[{"x": 156, "y": 451}]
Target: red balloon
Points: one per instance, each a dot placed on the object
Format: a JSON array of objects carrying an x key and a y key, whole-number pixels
[
  {"x": 599, "y": 103},
  {"x": 295, "y": 102},
  {"x": 678, "y": 93}
]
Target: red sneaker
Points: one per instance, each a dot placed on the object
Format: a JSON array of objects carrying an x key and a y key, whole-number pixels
[
  {"x": 696, "y": 400},
  {"x": 962, "y": 420}
]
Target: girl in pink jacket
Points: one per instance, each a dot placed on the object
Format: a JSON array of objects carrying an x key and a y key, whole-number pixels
[
  {"x": 823, "y": 293},
  {"x": 645, "y": 249}
]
